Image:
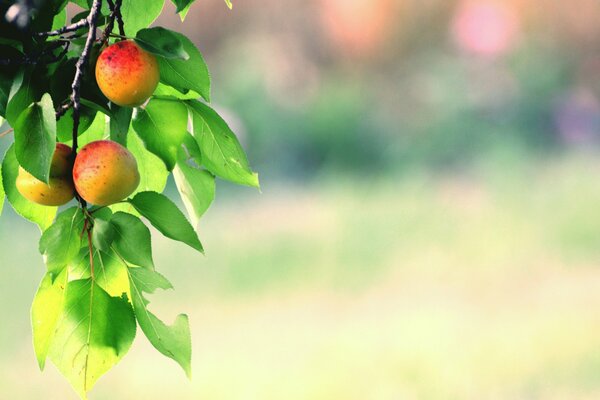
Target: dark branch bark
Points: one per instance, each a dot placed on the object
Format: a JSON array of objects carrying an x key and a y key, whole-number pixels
[
  {"x": 65, "y": 29},
  {"x": 80, "y": 68},
  {"x": 92, "y": 19}
]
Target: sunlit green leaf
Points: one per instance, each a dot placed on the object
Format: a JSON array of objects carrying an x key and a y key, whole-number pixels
[
  {"x": 221, "y": 151},
  {"x": 164, "y": 215},
  {"x": 196, "y": 187},
  {"x": 132, "y": 240},
  {"x": 140, "y": 14},
  {"x": 162, "y": 42},
  {"x": 35, "y": 138},
  {"x": 173, "y": 341},
  {"x": 46, "y": 310},
  {"x": 162, "y": 126},
  {"x": 61, "y": 242},
  {"x": 191, "y": 74},
  {"x": 93, "y": 334}
]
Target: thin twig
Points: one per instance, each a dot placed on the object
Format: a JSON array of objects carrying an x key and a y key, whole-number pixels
[
  {"x": 110, "y": 24},
  {"x": 119, "y": 17},
  {"x": 35, "y": 58},
  {"x": 65, "y": 29},
  {"x": 62, "y": 110}
]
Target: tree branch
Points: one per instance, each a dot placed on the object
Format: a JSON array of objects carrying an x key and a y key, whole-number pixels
[
  {"x": 80, "y": 68},
  {"x": 65, "y": 29},
  {"x": 115, "y": 14}
]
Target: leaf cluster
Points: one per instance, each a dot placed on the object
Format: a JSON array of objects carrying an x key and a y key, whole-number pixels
[{"x": 100, "y": 267}]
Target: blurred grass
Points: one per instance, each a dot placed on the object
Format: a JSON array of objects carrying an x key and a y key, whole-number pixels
[{"x": 482, "y": 284}]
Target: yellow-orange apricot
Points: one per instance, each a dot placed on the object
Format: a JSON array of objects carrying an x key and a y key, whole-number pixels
[
  {"x": 105, "y": 173},
  {"x": 59, "y": 190},
  {"x": 127, "y": 74}
]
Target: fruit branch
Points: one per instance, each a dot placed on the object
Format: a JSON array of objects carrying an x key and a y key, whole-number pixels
[
  {"x": 115, "y": 14},
  {"x": 80, "y": 66},
  {"x": 66, "y": 29}
]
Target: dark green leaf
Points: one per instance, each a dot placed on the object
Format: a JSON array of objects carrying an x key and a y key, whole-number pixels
[
  {"x": 164, "y": 215},
  {"x": 162, "y": 42},
  {"x": 22, "y": 94},
  {"x": 41, "y": 215},
  {"x": 132, "y": 240},
  {"x": 186, "y": 75},
  {"x": 162, "y": 126},
  {"x": 64, "y": 126},
  {"x": 46, "y": 309},
  {"x": 35, "y": 138},
  {"x": 222, "y": 153},
  {"x": 93, "y": 334},
  {"x": 6, "y": 81},
  {"x": 173, "y": 341},
  {"x": 61, "y": 242}
]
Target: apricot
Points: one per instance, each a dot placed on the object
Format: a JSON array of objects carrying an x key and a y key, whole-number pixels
[
  {"x": 59, "y": 190},
  {"x": 127, "y": 74},
  {"x": 105, "y": 173}
]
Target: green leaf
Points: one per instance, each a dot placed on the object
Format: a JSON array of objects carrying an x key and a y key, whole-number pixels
[
  {"x": 173, "y": 341},
  {"x": 228, "y": 2},
  {"x": 46, "y": 309},
  {"x": 222, "y": 153},
  {"x": 186, "y": 75},
  {"x": 162, "y": 126},
  {"x": 196, "y": 187},
  {"x": 103, "y": 234},
  {"x": 21, "y": 95},
  {"x": 168, "y": 92},
  {"x": 119, "y": 123},
  {"x": 35, "y": 138},
  {"x": 64, "y": 126},
  {"x": 162, "y": 42},
  {"x": 6, "y": 82},
  {"x": 140, "y": 14},
  {"x": 132, "y": 240},
  {"x": 111, "y": 274},
  {"x": 164, "y": 215},
  {"x": 41, "y": 215},
  {"x": 96, "y": 131},
  {"x": 93, "y": 334},
  {"x": 153, "y": 173},
  {"x": 60, "y": 243},
  {"x": 59, "y": 21}
]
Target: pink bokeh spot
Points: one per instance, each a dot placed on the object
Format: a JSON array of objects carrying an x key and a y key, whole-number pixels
[{"x": 486, "y": 28}]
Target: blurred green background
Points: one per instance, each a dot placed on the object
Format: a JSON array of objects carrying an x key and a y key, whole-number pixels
[{"x": 429, "y": 223}]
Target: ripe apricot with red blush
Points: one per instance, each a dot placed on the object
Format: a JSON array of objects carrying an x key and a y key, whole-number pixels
[
  {"x": 105, "y": 173},
  {"x": 127, "y": 74}
]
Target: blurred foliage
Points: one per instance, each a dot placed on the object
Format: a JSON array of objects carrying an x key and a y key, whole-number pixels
[{"x": 364, "y": 87}]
